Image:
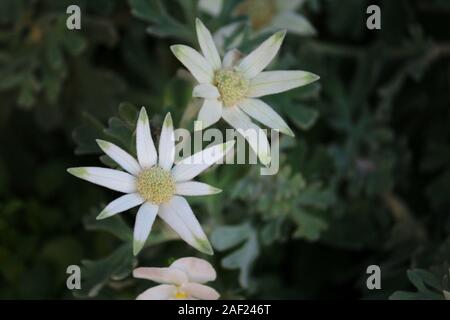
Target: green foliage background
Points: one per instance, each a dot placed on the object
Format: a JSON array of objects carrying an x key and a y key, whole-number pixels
[{"x": 365, "y": 181}]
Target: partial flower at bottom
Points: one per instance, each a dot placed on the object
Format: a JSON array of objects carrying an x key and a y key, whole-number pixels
[
  {"x": 155, "y": 184},
  {"x": 182, "y": 280}
]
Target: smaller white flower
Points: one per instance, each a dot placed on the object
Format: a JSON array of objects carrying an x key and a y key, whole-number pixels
[
  {"x": 182, "y": 280},
  {"x": 151, "y": 183},
  {"x": 231, "y": 88},
  {"x": 265, "y": 15}
]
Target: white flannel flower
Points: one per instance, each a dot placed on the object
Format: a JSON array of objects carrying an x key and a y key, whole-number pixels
[
  {"x": 155, "y": 184},
  {"x": 230, "y": 88},
  {"x": 182, "y": 280},
  {"x": 265, "y": 15}
]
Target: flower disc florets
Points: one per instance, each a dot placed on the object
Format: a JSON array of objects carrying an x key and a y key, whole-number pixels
[
  {"x": 155, "y": 185},
  {"x": 232, "y": 86}
]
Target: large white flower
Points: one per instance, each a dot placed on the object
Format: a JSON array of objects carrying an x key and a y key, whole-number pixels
[
  {"x": 183, "y": 280},
  {"x": 230, "y": 88},
  {"x": 152, "y": 183},
  {"x": 265, "y": 15}
]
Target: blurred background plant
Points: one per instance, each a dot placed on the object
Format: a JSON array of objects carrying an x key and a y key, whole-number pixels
[{"x": 365, "y": 181}]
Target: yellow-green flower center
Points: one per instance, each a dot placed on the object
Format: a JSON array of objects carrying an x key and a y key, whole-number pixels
[
  {"x": 260, "y": 12},
  {"x": 155, "y": 185},
  {"x": 232, "y": 86}
]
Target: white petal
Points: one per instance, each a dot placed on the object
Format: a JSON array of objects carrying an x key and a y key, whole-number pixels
[
  {"x": 200, "y": 291},
  {"x": 120, "y": 156},
  {"x": 258, "y": 59},
  {"x": 194, "y": 62},
  {"x": 109, "y": 178},
  {"x": 270, "y": 82},
  {"x": 161, "y": 292},
  {"x": 289, "y": 5},
  {"x": 293, "y": 23},
  {"x": 232, "y": 58},
  {"x": 190, "y": 167},
  {"x": 121, "y": 204},
  {"x": 162, "y": 275},
  {"x": 256, "y": 138},
  {"x": 197, "y": 270},
  {"x": 179, "y": 216},
  {"x": 263, "y": 113},
  {"x": 166, "y": 150},
  {"x": 205, "y": 90},
  {"x": 213, "y": 7},
  {"x": 143, "y": 224},
  {"x": 446, "y": 295},
  {"x": 146, "y": 151},
  {"x": 210, "y": 113},
  {"x": 207, "y": 45},
  {"x": 194, "y": 188}
]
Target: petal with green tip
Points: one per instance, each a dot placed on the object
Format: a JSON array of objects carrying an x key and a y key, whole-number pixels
[
  {"x": 210, "y": 113},
  {"x": 166, "y": 149},
  {"x": 194, "y": 188},
  {"x": 207, "y": 45},
  {"x": 79, "y": 172},
  {"x": 121, "y": 204},
  {"x": 179, "y": 216},
  {"x": 120, "y": 156},
  {"x": 254, "y": 135},
  {"x": 146, "y": 151},
  {"x": 258, "y": 59},
  {"x": 271, "y": 82},
  {"x": 262, "y": 112},
  {"x": 143, "y": 224},
  {"x": 109, "y": 178},
  {"x": 190, "y": 167},
  {"x": 194, "y": 62},
  {"x": 204, "y": 246}
]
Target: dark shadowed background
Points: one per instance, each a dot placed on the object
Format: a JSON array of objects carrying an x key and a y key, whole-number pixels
[{"x": 365, "y": 181}]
